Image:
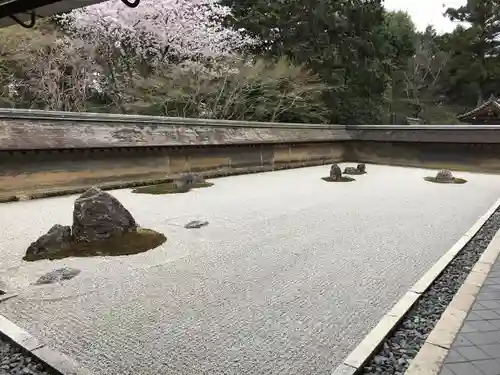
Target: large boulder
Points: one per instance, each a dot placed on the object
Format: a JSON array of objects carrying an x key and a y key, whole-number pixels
[
  {"x": 97, "y": 216},
  {"x": 444, "y": 175},
  {"x": 335, "y": 173},
  {"x": 58, "y": 275},
  {"x": 56, "y": 239}
]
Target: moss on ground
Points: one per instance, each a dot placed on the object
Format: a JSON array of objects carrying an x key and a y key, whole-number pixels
[
  {"x": 342, "y": 179},
  {"x": 169, "y": 188},
  {"x": 127, "y": 244},
  {"x": 454, "y": 181}
]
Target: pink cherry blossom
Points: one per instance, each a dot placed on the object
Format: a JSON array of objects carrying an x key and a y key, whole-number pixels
[{"x": 187, "y": 28}]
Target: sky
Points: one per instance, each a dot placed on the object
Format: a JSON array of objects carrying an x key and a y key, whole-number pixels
[{"x": 427, "y": 12}]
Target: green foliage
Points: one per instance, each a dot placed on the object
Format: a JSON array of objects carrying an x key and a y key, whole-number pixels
[
  {"x": 341, "y": 41},
  {"x": 475, "y": 50},
  {"x": 255, "y": 91}
]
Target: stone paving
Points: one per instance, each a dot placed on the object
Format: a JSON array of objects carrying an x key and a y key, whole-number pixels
[{"x": 476, "y": 350}]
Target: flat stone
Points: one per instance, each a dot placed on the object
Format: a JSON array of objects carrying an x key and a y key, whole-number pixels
[
  {"x": 447, "y": 327},
  {"x": 428, "y": 361},
  {"x": 58, "y": 275},
  {"x": 195, "y": 224}
]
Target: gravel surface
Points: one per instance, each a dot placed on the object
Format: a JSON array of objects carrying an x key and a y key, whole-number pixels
[
  {"x": 15, "y": 362},
  {"x": 289, "y": 276},
  {"x": 405, "y": 342}
]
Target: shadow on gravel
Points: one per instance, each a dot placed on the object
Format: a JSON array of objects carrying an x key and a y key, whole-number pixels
[
  {"x": 454, "y": 181},
  {"x": 342, "y": 179}
]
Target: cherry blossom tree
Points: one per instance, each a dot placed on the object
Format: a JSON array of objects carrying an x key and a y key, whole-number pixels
[{"x": 158, "y": 28}]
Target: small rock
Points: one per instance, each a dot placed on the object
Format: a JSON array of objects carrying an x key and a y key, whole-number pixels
[
  {"x": 444, "y": 175},
  {"x": 58, "y": 275},
  {"x": 56, "y": 239},
  {"x": 195, "y": 224},
  {"x": 97, "y": 216},
  {"x": 189, "y": 179},
  {"x": 361, "y": 168},
  {"x": 335, "y": 172},
  {"x": 3, "y": 288}
]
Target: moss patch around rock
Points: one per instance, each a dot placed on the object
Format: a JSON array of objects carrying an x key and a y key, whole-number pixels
[
  {"x": 169, "y": 188},
  {"x": 127, "y": 244},
  {"x": 454, "y": 181},
  {"x": 342, "y": 179}
]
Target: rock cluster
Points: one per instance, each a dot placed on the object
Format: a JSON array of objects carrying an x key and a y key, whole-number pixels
[
  {"x": 360, "y": 169},
  {"x": 97, "y": 216},
  {"x": 188, "y": 180},
  {"x": 444, "y": 175}
]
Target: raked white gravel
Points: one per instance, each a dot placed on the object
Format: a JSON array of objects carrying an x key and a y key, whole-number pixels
[{"x": 287, "y": 278}]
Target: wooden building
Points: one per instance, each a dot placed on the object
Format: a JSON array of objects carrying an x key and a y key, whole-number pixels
[{"x": 487, "y": 113}]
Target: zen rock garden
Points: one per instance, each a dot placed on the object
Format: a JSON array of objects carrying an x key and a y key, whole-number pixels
[
  {"x": 445, "y": 176},
  {"x": 184, "y": 184},
  {"x": 102, "y": 226}
]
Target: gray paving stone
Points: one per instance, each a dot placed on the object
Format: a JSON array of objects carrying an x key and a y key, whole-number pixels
[
  {"x": 491, "y": 288},
  {"x": 488, "y": 366},
  {"x": 493, "y": 350},
  {"x": 488, "y": 296},
  {"x": 478, "y": 306},
  {"x": 446, "y": 371},
  {"x": 461, "y": 340},
  {"x": 474, "y": 353},
  {"x": 483, "y": 326},
  {"x": 465, "y": 368},
  {"x": 468, "y": 328},
  {"x": 490, "y": 304},
  {"x": 485, "y": 314},
  {"x": 473, "y": 315},
  {"x": 492, "y": 281},
  {"x": 454, "y": 356},
  {"x": 482, "y": 338},
  {"x": 496, "y": 323}
]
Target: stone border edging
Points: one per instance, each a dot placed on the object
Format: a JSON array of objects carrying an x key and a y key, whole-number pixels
[
  {"x": 431, "y": 356},
  {"x": 56, "y": 361},
  {"x": 355, "y": 361}
]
